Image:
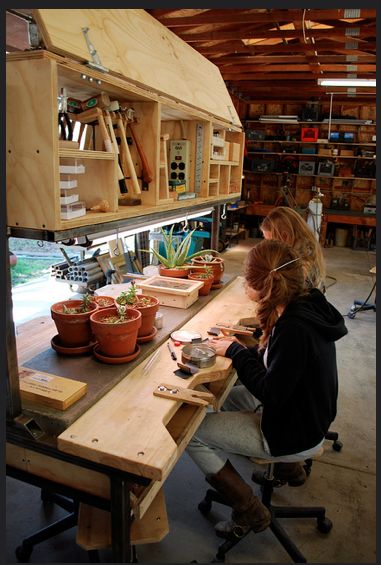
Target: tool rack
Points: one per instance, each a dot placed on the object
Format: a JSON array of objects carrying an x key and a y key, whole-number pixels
[{"x": 35, "y": 80}]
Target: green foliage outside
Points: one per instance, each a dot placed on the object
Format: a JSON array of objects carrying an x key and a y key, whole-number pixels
[{"x": 27, "y": 269}]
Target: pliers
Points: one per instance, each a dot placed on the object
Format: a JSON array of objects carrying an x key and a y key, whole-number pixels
[{"x": 64, "y": 123}]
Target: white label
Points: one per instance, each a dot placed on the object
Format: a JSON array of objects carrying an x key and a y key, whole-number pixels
[{"x": 41, "y": 378}]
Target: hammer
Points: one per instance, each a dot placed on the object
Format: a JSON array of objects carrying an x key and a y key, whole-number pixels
[{"x": 147, "y": 172}]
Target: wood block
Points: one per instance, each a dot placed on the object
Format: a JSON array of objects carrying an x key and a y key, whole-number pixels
[
  {"x": 50, "y": 390},
  {"x": 94, "y": 525}
]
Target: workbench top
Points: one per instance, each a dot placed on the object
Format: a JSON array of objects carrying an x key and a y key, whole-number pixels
[
  {"x": 100, "y": 377},
  {"x": 133, "y": 430}
]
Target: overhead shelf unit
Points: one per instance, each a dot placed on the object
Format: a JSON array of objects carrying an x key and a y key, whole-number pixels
[
  {"x": 339, "y": 157},
  {"x": 172, "y": 98}
]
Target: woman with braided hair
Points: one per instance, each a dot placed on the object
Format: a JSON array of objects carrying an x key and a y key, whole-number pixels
[{"x": 292, "y": 374}]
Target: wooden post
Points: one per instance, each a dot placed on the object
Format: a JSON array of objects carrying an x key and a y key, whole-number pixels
[{"x": 13, "y": 391}]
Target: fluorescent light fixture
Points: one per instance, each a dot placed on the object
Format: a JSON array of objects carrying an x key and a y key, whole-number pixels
[
  {"x": 114, "y": 235},
  {"x": 350, "y": 82}
]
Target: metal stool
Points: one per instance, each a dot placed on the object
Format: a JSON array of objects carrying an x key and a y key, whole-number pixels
[{"x": 324, "y": 525}]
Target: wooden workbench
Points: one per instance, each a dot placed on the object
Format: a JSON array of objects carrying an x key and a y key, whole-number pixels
[
  {"x": 129, "y": 437},
  {"x": 100, "y": 377}
]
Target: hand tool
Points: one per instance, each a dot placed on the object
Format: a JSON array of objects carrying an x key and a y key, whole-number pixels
[
  {"x": 110, "y": 146},
  {"x": 235, "y": 328},
  {"x": 172, "y": 351},
  {"x": 64, "y": 123},
  {"x": 125, "y": 153},
  {"x": 146, "y": 169}
]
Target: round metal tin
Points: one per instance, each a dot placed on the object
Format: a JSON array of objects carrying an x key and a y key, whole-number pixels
[{"x": 198, "y": 354}]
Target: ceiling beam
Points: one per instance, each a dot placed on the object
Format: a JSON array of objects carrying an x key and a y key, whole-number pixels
[
  {"x": 271, "y": 59},
  {"x": 253, "y": 16},
  {"x": 290, "y": 67},
  {"x": 247, "y": 33}
]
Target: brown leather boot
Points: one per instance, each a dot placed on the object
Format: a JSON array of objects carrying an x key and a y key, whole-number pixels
[
  {"x": 248, "y": 511},
  {"x": 291, "y": 473}
]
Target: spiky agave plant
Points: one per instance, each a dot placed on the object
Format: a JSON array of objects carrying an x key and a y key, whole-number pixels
[{"x": 177, "y": 255}]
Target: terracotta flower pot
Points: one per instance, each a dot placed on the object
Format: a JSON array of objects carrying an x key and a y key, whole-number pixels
[
  {"x": 74, "y": 330},
  {"x": 218, "y": 266},
  {"x": 177, "y": 272},
  {"x": 116, "y": 339},
  {"x": 104, "y": 301},
  {"x": 148, "y": 306},
  {"x": 204, "y": 290}
]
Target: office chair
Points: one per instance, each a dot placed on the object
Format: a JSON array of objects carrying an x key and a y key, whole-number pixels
[
  {"x": 324, "y": 524},
  {"x": 24, "y": 551}
]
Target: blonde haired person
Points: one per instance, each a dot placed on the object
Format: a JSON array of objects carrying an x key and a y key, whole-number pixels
[
  {"x": 287, "y": 225},
  {"x": 292, "y": 374}
]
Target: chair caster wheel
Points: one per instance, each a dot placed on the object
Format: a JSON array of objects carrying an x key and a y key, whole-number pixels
[
  {"x": 337, "y": 445},
  {"x": 219, "y": 558},
  {"x": 23, "y": 552},
  {"x": 205, "y": 507},
  {"x": 324, "y": 526}
]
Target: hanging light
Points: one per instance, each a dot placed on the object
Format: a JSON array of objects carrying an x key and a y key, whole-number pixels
[{"x": 348, "y": 82}]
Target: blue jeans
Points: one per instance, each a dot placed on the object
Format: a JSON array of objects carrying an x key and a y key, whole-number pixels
[{"x": 236, "y": 429}]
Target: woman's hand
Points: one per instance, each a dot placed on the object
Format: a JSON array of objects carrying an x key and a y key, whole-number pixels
[{"x": 221, "y": 344}]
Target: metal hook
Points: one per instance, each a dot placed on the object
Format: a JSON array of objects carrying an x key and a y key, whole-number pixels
[
  {"x": 223, "y": 215},
  {"x": 116, "y": 250},
  {"x": 186, "y": 226}
]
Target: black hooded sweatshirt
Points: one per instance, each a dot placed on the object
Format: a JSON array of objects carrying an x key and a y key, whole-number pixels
[{"x": 299, "y": 388}]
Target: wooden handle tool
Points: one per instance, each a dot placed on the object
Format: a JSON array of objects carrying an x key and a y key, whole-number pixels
[
  {"x": 235, "y": 329},
  {"x": 147, "y": 172},
  {"x": 127, "y": 155},
  {"x": 184, "y": 395}
]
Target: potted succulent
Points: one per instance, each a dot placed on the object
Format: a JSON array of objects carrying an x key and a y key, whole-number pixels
[
  {"x": 174, "y": 264},
  {"x": 210, "y": 258},
  {"x": 147, "y": 305},
  {"x": 72, "y": 320},
  {"x": 104, "y": 301},
  {"x": 206, "y": 275},
  {"x": 116, "y": 330}
]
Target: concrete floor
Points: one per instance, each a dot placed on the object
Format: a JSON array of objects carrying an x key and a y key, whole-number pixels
[{"x": 344, "y": 482}]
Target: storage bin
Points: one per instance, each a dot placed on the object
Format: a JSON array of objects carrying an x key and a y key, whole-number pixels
[{"x": 341, "y": 237}]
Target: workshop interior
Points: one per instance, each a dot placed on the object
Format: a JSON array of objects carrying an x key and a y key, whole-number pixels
[{"x": 144, "y": 149}]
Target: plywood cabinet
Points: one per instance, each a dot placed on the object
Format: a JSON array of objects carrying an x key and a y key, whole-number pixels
[{"x": 35, "y": 83}]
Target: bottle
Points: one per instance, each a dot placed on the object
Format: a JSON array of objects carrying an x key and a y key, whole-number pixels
[{"x": 315, "y": 210}]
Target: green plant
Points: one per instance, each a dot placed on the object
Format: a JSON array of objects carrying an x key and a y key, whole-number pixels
[
  {"x": 128, "y": 297},
  {"x": 176, "y": 255},
  {"x": 118, "y": 319},
  {"x": 131, "y": 298},
  {"x": 84, "y": 307},
  {"x": 205, "y": 273}
]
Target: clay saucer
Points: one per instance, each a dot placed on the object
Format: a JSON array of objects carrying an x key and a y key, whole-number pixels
[
  {"x": 66, "y": 350},
  {"x": 145, "y": 338},
  {"x": 115, "y": 360},
  {"x": 217, "y": 285}
]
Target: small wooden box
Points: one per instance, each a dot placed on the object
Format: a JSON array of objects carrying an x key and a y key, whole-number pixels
[
  {"x": 179, "y": 293},
  {"x": 49, "y": 390},
  {"x": 347, "y": 152}
]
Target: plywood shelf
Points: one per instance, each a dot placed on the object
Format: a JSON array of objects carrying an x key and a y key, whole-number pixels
[{"x": 85, "y": 154}]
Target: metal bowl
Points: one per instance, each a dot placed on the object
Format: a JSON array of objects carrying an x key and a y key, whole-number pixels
[{"x": 198, "y": 354}]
